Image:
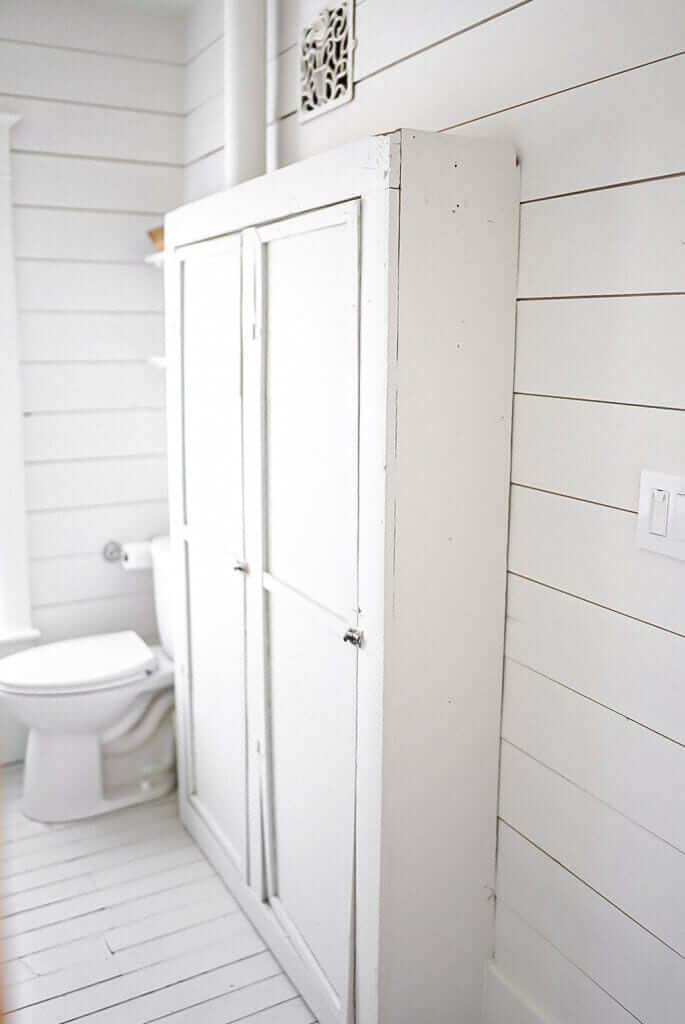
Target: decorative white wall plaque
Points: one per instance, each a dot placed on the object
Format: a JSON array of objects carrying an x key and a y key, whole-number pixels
[{"x": 326, "y": 61}]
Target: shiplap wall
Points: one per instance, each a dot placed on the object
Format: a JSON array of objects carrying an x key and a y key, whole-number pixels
[
  {"x": 97, "y": 159},
  {"x": 591, "y": 882},
  {"x": 204, "y": 99}
]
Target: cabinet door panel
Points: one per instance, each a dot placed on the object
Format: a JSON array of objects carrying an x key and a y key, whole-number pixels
[
  {"x": 302, "y": 412},
  {"x": 214, "y": 536},
  {"x": 310, "y": 296},
  {"x": 312, "y": 719}
]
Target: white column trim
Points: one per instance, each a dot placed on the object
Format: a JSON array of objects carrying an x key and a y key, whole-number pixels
[{"x": 15, "y": 601}]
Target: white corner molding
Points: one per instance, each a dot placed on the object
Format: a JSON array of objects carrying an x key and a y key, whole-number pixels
[{"x": 15, "y": 601}]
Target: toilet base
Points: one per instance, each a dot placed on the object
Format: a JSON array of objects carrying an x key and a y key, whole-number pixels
[{"x": 72, "y": 776}]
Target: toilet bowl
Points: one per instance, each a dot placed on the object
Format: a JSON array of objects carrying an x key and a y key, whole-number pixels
[{"x": 100, "y": 715}]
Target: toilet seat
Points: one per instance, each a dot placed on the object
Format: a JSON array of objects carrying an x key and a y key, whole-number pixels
[{"x": 80, "y": 665}]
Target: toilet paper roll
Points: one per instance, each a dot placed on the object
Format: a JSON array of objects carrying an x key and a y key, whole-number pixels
[{"x": 137, "y": 555}]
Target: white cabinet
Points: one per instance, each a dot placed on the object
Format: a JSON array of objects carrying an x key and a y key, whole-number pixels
[{"x": 340, "y": 345}]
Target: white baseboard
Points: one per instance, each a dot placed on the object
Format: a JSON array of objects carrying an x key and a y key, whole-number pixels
[{"x": 505, "y": 1004}]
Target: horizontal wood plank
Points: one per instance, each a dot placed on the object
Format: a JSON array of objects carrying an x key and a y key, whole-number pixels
[
  {"x": 539, "y": 976},
  {"x": 90, "y": 337},
  {"x": 626, "y": 349},
  {"x": 591, "y": 552},
  {"x": 93, "y": 435},
  {"x": 204, "y": 129},
  {"x": 111, "y": 287},
  {"x": 69, "y": 387},
  {"x": 52, "y": 485},
  {"x": 634, "y": 118},
  {"x": 50, "y": 73},
  {"x": 101, "y": 132},
  {"x": 81, "y": 235},
  {"x": 629, "y": 866},
  {"x": 204, "y": 25},
  {"x": 60, "y": 622},
  {"x": 386, "y": 33},
  {"x": 469, "y": 79},
  {"x": 151, "y": 987},
  {"x": 626, "y": 665},
  {"x": 78, "y": 25},
  {"x": 611, "y": 242},
  {"x": 87, "y": 530},
  {"x": 127, "y": 898},
  {"x": 591, "y": 933},
  {"x": 94, "y": 184},
  {"x": 204, "y": 76},
  {"x": 592, "y": 450},
  {"x": 82, "y": 578},
  {"x": 614, "y": 760},
  {"x": 205, "y": 176}
]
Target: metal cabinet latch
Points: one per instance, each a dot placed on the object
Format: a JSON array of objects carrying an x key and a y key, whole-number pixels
[
  {"x": 354, "y": 637},
  {"x": 239, "y": 566}
]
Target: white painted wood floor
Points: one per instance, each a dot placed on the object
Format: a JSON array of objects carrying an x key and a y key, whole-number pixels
[{"x": 120, "y": 919}]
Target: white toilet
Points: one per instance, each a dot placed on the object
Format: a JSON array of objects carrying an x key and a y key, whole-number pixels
[{"x": 100, "y": 714}]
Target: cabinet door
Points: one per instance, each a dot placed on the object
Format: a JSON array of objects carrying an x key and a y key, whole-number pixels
[
  {"x": 302, "y": 403},
  {"x": 212, "y": 428}
]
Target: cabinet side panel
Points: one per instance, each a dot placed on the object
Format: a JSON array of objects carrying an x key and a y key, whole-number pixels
[{"x": 446, "y": 602}]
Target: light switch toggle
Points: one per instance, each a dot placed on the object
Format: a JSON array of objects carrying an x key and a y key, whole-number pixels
[
  {"x": 658, "y": 514},
  {"x": 661, "y": 514}
]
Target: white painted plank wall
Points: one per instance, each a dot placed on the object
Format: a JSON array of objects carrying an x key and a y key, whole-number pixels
[
  {"x": 97, "y": 160},
  {"x": 204, "y": 100},
  {"x": 589, "y": 923}
]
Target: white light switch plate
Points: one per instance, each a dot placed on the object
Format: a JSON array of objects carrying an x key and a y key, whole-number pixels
[{"x": 661, "y": 515}]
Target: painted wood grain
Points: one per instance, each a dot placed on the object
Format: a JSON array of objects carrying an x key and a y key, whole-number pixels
[
  {"x": 591, "y": 933},
  {"x": 591, "y": 551},
  {"x": 93, "y": 435},
  {"x": 614, "y": 760},
  {"x": 613, "y": 241},
  {"x": 137, "y": 612},
  {"x": 82, "y": 578},
  {"x": 626, "y": 665},
  {"x": 90, "y": 337},
  {"x": 111, "y": 287},
  {"x": 205, "y": 24},
  {"x": 69, "y": 387},
  {"x": 75, "y": 183},
  {"x": 542, "y": 983},
  {"x": 74, "y": 25},
  {"x": 81, "y": 235},
  {"x": 65, "y": 74},
  {"x": 618, "y": 129},
  {"x": 205, "y": 176},
  {"x": 88, "y": 131},
  {"x": 594, "y": 451},
  {"x": 639, "y": 873},
  {"x": 75, "y": 484},
  {"x": 387, "y": 33},
  {"x": 204, "y": 75},
  {"x": 626, "y": 349},
  {"x": 588, "y": 42},
  {"x": 86, "y": 530},
  {"x": 129, "y": 921}
]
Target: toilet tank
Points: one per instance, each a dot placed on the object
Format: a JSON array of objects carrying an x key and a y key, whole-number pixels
[{"x": 161, "y": 571}]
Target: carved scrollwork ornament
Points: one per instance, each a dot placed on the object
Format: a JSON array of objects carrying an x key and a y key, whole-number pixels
[{"x": 326, "y": 61}]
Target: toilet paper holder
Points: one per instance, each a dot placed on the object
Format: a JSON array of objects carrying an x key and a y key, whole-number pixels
[
  {"x": 133, "y": 556},
  {"x": 113, "y": 551}
]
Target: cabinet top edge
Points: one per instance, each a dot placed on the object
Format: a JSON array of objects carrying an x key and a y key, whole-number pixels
[{"x": 355, "y": 169}]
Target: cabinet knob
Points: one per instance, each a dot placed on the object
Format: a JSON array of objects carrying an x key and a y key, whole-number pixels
[
  {"x": 239, "y": 566},
  {"x": 354, "y": 637}
]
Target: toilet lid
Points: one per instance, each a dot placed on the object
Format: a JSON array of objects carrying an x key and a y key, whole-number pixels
[{"x": 84, "y": 662}]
